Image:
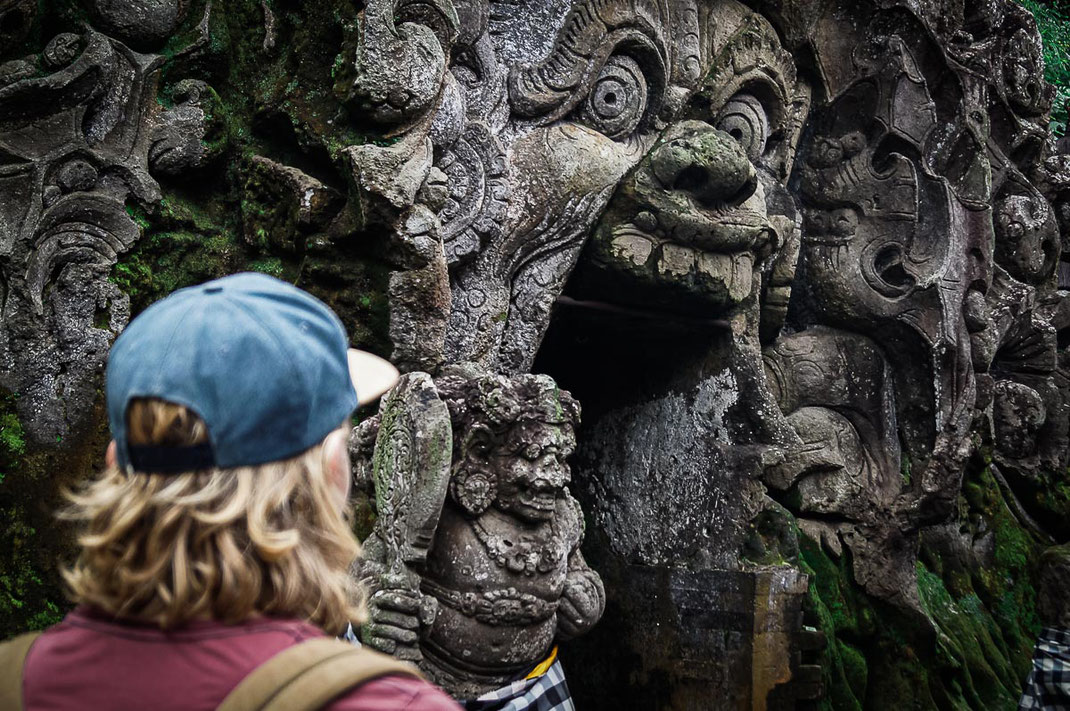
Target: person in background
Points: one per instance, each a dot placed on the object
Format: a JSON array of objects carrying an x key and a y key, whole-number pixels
[
  {"x": 214, "y": 551},
  {"x": 1048, "y": 684}
]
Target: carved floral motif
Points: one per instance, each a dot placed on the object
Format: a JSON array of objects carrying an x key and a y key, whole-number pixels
[{"x": 82, "y": 140}]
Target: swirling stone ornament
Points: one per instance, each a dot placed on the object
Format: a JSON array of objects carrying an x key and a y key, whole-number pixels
[{"x": 81, "y": 137}]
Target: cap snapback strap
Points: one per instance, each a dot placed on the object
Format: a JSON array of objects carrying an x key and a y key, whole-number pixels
[{"x": 157, "y": 459}]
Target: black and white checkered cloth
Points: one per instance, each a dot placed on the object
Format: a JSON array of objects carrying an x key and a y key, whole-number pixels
[
  {"x": 548, "y": 692},
  {"x": 1048, "y": 686}
]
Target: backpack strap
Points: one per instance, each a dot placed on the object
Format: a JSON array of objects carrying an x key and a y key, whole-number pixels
[
  {"x": 12, "y": 660},
  {"x": 309, "y": 675}
]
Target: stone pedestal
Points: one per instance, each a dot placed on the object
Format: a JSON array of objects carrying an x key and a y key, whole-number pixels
[{"x": 676, "y": 639}]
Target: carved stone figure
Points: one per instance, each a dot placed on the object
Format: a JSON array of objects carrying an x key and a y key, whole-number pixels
[
  {"x": 475, "y": 562},
  {"x": 806, "y": 265}
]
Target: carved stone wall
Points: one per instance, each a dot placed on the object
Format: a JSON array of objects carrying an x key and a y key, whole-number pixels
[{"x": 802, "y": 263}]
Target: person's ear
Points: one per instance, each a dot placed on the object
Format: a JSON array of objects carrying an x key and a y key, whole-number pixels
[
  {"x": 336, "y": 462},
  {"x": 111, "y": 458}
]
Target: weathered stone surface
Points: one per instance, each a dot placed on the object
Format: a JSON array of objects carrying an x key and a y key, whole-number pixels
[
  {"x": 81, "y": 135},
  {"x": 804, "y": 263}
]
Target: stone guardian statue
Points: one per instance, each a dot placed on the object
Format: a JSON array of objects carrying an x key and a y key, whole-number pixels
[{"x": 474, "y": 562}]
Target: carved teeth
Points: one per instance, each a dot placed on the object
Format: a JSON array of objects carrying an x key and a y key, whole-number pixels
[
  {"x": 715, "y": 265},
  {"x": 633, "y": 247},
  {"x": 673, "y": 260},
  {"x": 676, "y": 260},
  {"x": 742, "y": 273}
]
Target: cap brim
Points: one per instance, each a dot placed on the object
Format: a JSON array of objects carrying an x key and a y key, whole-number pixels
[{"x": 371, "y": 375}]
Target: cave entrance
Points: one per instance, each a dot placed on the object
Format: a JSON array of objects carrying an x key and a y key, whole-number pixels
[
  {"x": 609, "y": 356},
  {"x": 662, "y": 488}
]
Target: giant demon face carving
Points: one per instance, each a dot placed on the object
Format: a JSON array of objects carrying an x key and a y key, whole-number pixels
[
  {"x": 696, "y": 224},
  {"x": 543, "y": 109}
]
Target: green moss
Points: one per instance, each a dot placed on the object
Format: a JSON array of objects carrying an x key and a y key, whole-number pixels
[
  {"x": 855, "y": 669},
  {"x": 12, "y": 437},
  {"x": 138, "y": 215},
  {"x": 969, "y": 644},
  {"x": 30, "y": 592},
  {"x": 835, "y": 608},
  {"x": 1053, "y": 21},
  {"x": 966, "y": 647},
  {"x": 187, "y": 240},
  {"x": 271, "y": 265}
]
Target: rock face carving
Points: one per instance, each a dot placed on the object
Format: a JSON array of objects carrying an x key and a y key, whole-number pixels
[
  {"x": 475, "y": 561},
  {"x": 804, "y": 263},
  {"x": 530, "y": 136},
  {"x": 82, "y": 139},
  {"x": 679, "y": 121},
  {"x": 918, "y": 224}
]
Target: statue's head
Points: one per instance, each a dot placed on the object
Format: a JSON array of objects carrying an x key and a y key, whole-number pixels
[
  {"x": 532, "y": 118},
  {"x": 1027, "y": 236},
  {"x": 706, "y": 212},
  {"x": 512, "y": 438}
]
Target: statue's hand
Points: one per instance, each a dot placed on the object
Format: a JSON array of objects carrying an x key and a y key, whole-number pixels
[
  {"x": 582, "y": 603},
  {"x": 394, "y": 621}
]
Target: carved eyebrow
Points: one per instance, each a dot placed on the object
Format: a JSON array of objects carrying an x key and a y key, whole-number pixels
[{"x": 593, "y": 32}]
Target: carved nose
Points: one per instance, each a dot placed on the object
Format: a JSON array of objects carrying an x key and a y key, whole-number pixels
[
  {"x": 707, "y": 163},
  {"x": 552, "y": 474}
]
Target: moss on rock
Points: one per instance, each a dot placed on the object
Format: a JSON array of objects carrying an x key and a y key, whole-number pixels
[
  {"x": 31, "y": 594},
  {"x": 969, "y": 644}
]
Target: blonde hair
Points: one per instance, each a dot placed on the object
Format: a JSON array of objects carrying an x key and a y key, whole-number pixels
[{"x": 225, "y": 544}]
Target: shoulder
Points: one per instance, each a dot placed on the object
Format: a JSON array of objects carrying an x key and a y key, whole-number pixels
[{"x": 395, "y": 693}]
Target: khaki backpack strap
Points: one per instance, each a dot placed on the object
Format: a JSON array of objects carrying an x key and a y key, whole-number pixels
[
  {"x": 12, "y": 660},
  {"x": 309, "y": 675}
]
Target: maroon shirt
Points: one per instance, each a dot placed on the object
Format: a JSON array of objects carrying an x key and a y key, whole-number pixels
[{"x": 88, "y": 662}]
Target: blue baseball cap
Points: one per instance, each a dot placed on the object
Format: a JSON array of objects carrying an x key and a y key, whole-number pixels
[{"x": 265, "y": 365}]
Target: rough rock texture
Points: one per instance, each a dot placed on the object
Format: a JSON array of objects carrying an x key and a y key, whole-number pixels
[{"x": 802, "y": 263}]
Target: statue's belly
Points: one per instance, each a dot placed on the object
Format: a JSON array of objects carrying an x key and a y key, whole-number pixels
[{"x": 490, "y": 649}]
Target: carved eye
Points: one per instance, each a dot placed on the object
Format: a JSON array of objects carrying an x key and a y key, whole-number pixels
[
  {"x": 532, "y": 452},
  {"x": 618, "y": 99},
  {"x": 744, "y": 119}
]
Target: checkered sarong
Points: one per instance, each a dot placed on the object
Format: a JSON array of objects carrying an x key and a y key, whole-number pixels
[
  {"x": 1048, "y": 686},
  {"x": 547, "y": 692}
]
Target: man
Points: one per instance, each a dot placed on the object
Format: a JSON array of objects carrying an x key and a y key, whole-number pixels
[
  {"x": 214, "y": 553},
  {"x": 1048, "y": 685}
]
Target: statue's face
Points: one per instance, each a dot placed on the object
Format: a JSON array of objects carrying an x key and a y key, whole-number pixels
[
  {"x": 532, "y": 470},
  {"x": 891, "y": 248},
  {"x": 699, "y": 218},
  {"x": 542, "y": 116},
  {"x": 1027, "y": 237}
]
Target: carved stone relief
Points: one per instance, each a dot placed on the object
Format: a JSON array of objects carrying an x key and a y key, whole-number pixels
[
  {"x": 83, "y": 138},
  {"x": 529, "y": 139},
  {"x": 805, "y": 264},
  {"x": 926, "y": 236}
]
